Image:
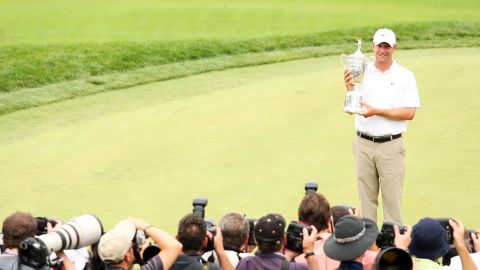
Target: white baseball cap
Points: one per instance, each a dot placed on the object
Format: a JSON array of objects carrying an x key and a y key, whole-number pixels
[
  {"x": 114, "y": 245},
  {"x": 384, "y": 35}
]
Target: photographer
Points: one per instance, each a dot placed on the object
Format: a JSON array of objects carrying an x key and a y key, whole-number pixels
[
  {"x": 270, "y": 237},
  {"x": 116, "y": 247},
  {"x": 352, "y": 237},
  {"x": 314, "y": 209},
  {"x": 192, "y": 233},
  {"x": 456, "y": 263},
  {"x": 17, "y": 227},
  {"x": 234, "y": 228},
  {"x": 429, "y": 243}
]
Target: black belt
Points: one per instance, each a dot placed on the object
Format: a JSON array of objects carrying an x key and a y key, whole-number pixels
[{"x": 379, "y": 139}]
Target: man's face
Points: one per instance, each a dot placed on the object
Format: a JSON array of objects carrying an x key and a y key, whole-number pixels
[{"x": 384, "y": 52}]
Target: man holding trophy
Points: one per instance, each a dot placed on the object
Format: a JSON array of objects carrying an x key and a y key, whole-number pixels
[{"x": 383, "y": 95}]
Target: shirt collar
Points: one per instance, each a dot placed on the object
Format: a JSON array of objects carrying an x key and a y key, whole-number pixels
[{"x": 393, "y": 68}]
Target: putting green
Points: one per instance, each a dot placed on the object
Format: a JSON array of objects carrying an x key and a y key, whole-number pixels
[{"x": 247, "y": 138}]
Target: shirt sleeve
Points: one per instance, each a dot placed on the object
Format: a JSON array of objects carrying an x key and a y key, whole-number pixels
[
  {"x": 410, "y": 97},
  {"x": 154, "y": 263}
]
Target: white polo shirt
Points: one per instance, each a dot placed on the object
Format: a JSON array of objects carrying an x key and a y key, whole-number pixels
[{"x": 395, "y": 88}]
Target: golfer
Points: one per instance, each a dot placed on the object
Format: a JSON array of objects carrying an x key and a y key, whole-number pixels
[{"x": 390, "y": 99}]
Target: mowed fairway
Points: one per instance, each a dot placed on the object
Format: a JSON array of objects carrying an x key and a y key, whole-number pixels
[
  {"x": 248, "y": 139},
  {"x": 54, "y": 21}
]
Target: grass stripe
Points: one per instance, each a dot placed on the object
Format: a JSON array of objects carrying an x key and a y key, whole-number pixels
[{"x": 37, "y": 75}]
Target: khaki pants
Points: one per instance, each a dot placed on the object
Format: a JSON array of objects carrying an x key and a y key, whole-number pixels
[{"x": 380, "y": 166}]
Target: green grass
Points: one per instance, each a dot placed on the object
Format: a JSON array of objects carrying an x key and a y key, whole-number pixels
[
  {"x": 68, "y": 21},
  {"x": 246, "y": 138},
  {"x": 93, "y": 68}
]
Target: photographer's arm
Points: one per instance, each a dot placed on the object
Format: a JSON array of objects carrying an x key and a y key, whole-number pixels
[
  {"x": 309, "y": 246},
  {"x": 403, "y": 240},
  {"x": 67, "y": 263},
  {"x": 458, "y": 233},
  {"x": 170, "y": 248}
]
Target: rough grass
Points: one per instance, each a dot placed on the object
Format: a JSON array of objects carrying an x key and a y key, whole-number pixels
[
  {"x": 33, "y": 75},
  {"x": 27, "y": 66}
]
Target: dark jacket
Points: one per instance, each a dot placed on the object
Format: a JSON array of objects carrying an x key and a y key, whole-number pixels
[{"x": 191, "y": 262}]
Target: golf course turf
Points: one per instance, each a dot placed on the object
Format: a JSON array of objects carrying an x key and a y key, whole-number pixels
[{"x": 246, "y": 138}]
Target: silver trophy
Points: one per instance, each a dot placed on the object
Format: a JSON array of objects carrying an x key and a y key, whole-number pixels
[{"x": 357, "y": 64}]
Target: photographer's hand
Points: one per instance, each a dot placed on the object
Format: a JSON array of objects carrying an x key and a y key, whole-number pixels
[
  {"x": 458, "y": 233},
  {"x": 402, "y": 240},
  {"x": 223, "y": 260},
  {"x": 476, "y": 241},
  {"x": 170, "y": 248},
  {"x": 309, "y": 247},
  {"x": 67, "y": 263}
]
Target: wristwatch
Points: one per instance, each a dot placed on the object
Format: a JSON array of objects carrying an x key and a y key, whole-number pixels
[{"x": 308, "y": 254}]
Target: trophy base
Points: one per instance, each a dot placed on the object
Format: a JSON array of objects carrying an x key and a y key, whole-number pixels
[{"x": 354, "y": 110}]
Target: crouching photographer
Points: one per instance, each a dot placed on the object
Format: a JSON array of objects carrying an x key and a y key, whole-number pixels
[
  {"x": 270, "y": 236},
  {"x": 235, "y": 230},
  {"x": 16, "y": 229},
  {"x": 430, "y": 242},
  {"x": 118, "y": 247},
  {"x": 314, "y": 209},
  {"x": 192, "y": 234}
]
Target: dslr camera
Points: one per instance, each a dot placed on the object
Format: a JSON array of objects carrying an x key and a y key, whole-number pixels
[
  {"x": 42, "y": 222},
  {"x": 448, "y": 228},
  {"x": 76, "y": 233},
  {"x": 199, "y": 205},
  {"x": 295, "y": 236},
  {"x": 251, "y": 231},
  {"x": 386, "y": 236},
  {"x": 311, "y": 187}
]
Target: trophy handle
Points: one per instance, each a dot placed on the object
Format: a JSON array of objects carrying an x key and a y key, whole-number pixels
[{"x": 343, "y": 60}]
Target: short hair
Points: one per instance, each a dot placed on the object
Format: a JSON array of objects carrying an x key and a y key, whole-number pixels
[
  {"x": 339, "y": 211},
  {"x": 268, "y": 247},
  {"x": 191, "y": 232},
  {"x": 234, "y": 230},
  {"x": 314, "y": 209},
  {"x": 17, "y": 227}
]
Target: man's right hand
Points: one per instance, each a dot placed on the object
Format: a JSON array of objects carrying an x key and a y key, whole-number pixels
[{"x": 347, "y": 79}]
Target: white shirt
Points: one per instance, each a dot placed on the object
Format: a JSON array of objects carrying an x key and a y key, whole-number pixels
[
  {"x": 395, "y": 88},
  {"x": 456, "y": 264},
  {"x": 232, "y": 256}
]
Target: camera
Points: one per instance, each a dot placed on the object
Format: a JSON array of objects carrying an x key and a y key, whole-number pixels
[
  {"x": 393, "y": 258},
  {"x": 386, "y": 236},
  {"x": 77, "y": 233},
  {"x": 139, "y": 241},
  {"x": 42, "y": 222},
  {"x": 311, "y": 187},
  {"x": 448, "y": 228},
  {"x": 251, "y": 231},
  {"x": 295, "y": 236},
  {"x": 199, "y": 205},
  {"x": 471, "y": 245}
]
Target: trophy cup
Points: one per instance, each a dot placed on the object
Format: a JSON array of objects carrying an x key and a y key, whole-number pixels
[{"x": 357, "y": 64}]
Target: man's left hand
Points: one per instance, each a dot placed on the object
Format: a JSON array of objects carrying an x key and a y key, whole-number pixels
[{"x": 368, "y": 110}]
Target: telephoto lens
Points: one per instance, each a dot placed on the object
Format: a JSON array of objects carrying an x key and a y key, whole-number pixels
[{"x": 77, "y": 233}]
